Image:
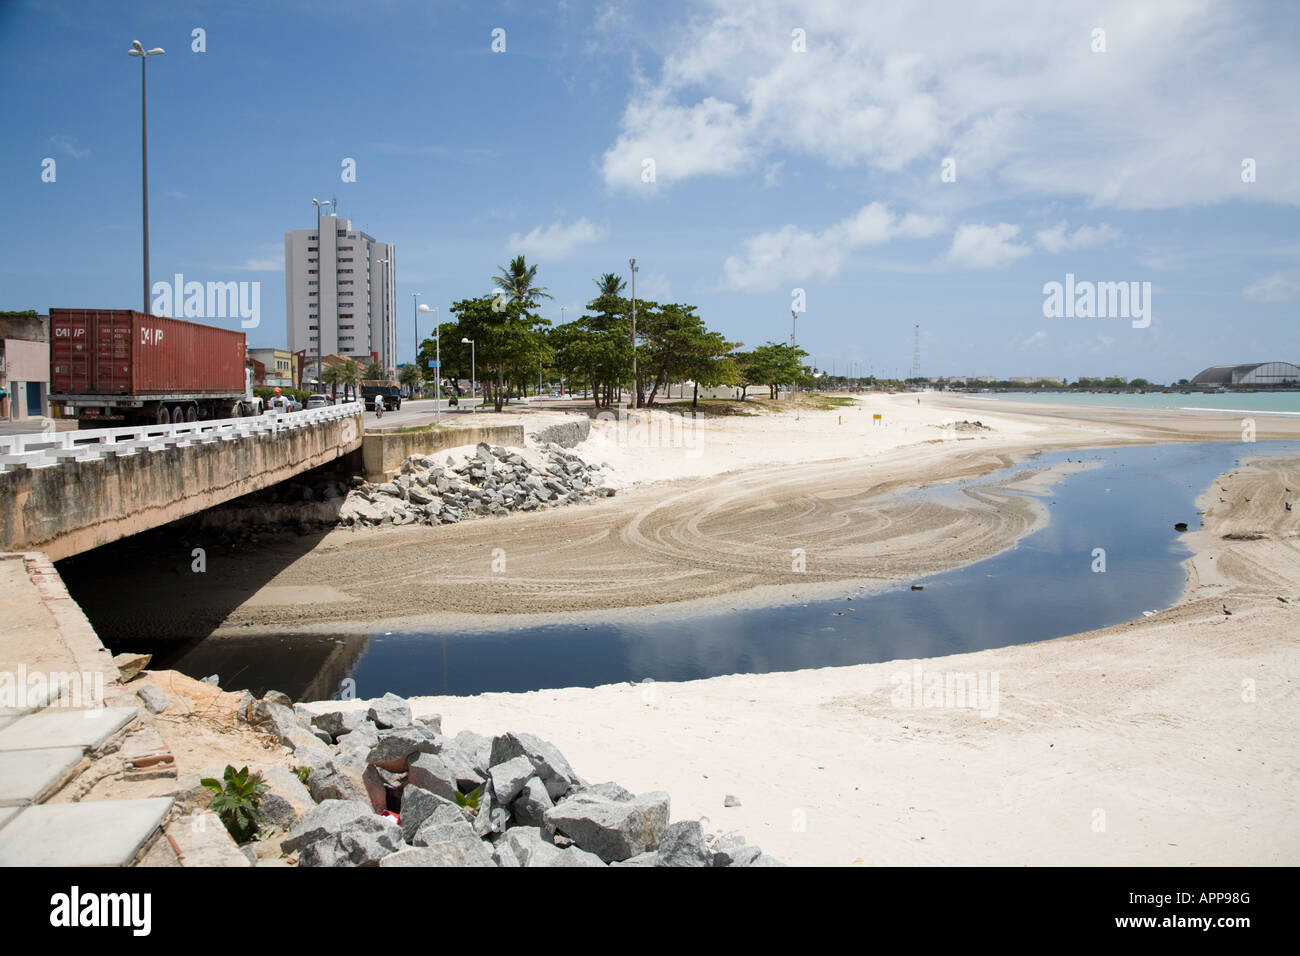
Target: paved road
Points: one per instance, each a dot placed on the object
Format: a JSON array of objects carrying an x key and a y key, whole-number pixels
[
  {"x": 30, "y": 426},
  {"x": 422, "y": 411}
]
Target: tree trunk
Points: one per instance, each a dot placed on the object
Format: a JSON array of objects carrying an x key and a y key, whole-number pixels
[{"x": 695, "y": 396}]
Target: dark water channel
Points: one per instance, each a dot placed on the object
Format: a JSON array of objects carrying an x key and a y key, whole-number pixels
[{"x": 1044, "y": 587}]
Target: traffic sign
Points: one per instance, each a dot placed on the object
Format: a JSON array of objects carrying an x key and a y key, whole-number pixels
[{"x": 434, "y": 363}]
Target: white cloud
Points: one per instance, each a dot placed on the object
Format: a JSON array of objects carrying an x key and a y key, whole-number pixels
[
  {"x": 1185, "y": 91},
  {"x": 676, "y": 142},
  {"x": 1058, "y": 239},
  {"x": 1278, "y": 287},
  {"x": 176, "y": 194},
  {"x": 772, "y": 175},
  {"x": 556, "y": 241},
  {"x": 791, "y": 254},
  {"x": 977, "y": 246},
  {"x": 68, "y": 146}
]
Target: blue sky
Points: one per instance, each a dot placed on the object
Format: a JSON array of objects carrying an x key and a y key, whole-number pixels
[{"x": 775, "y": 168}]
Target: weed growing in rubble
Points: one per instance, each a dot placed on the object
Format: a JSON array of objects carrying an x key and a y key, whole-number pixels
[{"x": 239, "y": 802}]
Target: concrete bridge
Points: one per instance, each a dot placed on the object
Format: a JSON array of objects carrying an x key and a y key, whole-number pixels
[{"x": 67, "y": 492}]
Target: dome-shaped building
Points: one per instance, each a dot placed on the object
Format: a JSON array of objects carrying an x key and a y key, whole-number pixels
[{"x": 1258, "y": 374}]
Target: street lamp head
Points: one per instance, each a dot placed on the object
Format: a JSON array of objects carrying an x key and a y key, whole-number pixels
[
  {"x": 466, "y": 341},
  {"x": 425, "y": 308},
  {"x": 155, "y": 51},
  {"x": 138, "y": 47}
]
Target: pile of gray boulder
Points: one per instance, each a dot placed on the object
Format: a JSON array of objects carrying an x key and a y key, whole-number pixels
[
  {"x": 493, "y": 481},
  {"x": 389, "y": 789}
]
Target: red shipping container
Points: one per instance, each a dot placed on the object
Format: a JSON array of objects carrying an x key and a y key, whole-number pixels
[{"x": 123, "y": 352}]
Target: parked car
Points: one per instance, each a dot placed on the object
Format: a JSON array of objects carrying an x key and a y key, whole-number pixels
[{"x": 318, "y": 401}]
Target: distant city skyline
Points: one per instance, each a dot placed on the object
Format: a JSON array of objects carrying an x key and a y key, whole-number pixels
[{"x": 943, "y": 169}]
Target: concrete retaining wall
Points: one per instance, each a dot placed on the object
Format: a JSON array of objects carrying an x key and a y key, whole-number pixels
[
  {"x": 382, "y": 453},
  {"x": 78, "y": 505}
]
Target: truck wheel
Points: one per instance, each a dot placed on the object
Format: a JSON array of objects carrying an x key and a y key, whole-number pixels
[
  {"x": 191, "y": 414},
  {"x": 178, "y": 414},
  {"x": 163, "y": 418}
]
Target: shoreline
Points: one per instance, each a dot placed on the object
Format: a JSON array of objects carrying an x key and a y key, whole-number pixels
[
  {"x": 753, "y": 598},
  {"x": 1163, "y": 741},
  {"x": 687, "y": 535}
]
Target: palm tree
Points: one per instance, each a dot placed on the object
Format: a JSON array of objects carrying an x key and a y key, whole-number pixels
[
  {"x": 412, "y": 377},
  {"x": 374, "y": 371},
  {"x": 352, "y": 375},
  {"x": 334, "y": 376},
  {"x": 517, "y": 282},
  {"x": 610, "y": 284}
]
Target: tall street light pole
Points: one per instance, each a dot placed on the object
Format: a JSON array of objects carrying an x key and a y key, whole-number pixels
[
  {"x": 320, "y": 308},
  {"x": 137, "y": 49},
  {"x": 415, "y": 298},
  {"x": 437, "y": 365},
  {"x": 473, "y": 369},
  {"x": 636, "y": 390}
]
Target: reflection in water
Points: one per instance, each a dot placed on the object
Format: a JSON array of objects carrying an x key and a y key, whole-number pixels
[
  {"x": 305, "y": 668},
  {"x": 1043, "y": 588}
]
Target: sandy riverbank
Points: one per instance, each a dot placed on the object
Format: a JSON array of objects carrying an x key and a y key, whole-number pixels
[
  {"x": 716, "y": 520},
  {"x": 1169, "y": 741}
]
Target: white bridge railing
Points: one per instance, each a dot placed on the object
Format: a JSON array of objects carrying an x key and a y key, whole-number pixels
[{"x": 47, "y": 448}]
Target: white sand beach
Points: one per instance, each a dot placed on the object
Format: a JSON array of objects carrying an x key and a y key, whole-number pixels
[{"x": 1170, "y": 740}]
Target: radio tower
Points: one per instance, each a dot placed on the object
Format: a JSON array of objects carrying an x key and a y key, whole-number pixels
[{"x": 916, "y": 352}]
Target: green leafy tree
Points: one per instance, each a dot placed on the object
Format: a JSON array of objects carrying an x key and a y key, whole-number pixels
[
  {"x": 774, "y": 365},
  {"x": 509, "y": 340},
  {"x": 509, "y": 334},
  {"x": 455, "y": 355},
  {"x": 374, "y": 371}
]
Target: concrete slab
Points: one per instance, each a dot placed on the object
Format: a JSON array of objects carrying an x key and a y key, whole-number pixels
[
  {"x": 26, "y": 776},
  {"x": 65, "y": 728},
  {"x": 99, "y": 833},
  {"x": 201, "y": 839}
]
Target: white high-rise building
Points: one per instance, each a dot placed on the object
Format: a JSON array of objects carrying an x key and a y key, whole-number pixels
[{"x": 339, "y": 298}]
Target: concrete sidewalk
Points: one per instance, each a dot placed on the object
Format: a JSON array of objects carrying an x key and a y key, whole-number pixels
[{"x": 66, "y": 721}]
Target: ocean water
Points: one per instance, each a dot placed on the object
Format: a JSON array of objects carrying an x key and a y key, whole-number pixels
[
  {"x": 1253, "y": 403},
  {"x": 1047, "y": 586}
]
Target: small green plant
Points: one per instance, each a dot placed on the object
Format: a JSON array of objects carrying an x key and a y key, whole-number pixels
[
  {"x": 303, "y": 774},
  {"x": 470, "y": 799},
  {"x": 238, "y": 802}
]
